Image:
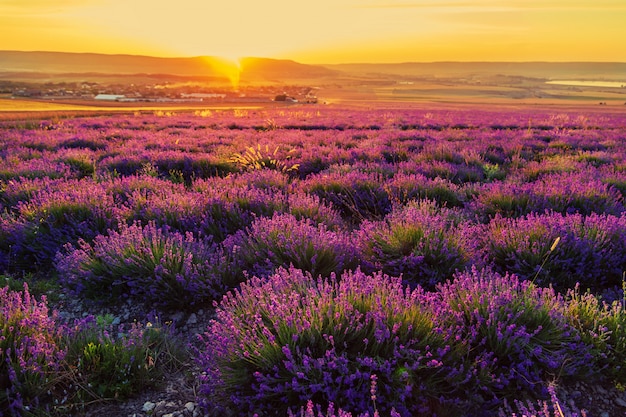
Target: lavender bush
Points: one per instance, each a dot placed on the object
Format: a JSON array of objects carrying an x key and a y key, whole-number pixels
[
  {"x": 517, "y": 334},
  {"x": 33, "y": 168},
  {"x": 58, "y": 214},
  {"x": 284, "y": 240},
  {"x": 583, "y": 193},
  {"x": 242, "y": 199},
  {"x": 421, "y": 242},
  {"x": 590, "y": 251},
  {"x": 30, "y": 352},
  {"x": 603, "y": 326},
  {"x": 147, "y": 263},
  {"x": 563, "y": 193},
  {"x": 47, "y": 366},
  {"x": 307, "y": 206},
  {"x": 357, "y": 195},
  {"x": 280, "y": 342},
  {"x": 403, "y": 188}
]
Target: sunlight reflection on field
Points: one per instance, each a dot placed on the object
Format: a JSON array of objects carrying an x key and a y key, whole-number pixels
[{"x": 12, "y": 105}]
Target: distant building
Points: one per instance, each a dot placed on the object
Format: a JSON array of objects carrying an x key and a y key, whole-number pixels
[
  {"x": 27, "y": 93},
  {"x": 285, "y": 97},
  {"x": 110, "y": 97}
]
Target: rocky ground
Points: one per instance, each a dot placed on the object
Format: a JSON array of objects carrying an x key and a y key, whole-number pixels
[{"x": 177, "y": 394}]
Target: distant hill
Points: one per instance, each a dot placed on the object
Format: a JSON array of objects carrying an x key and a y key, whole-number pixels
[
  {"x": 548, "y": 70},
  {"x": 90, "y": 63},
  {"x": 359, "y": 80},
  {"x": 275, "y": 69}
]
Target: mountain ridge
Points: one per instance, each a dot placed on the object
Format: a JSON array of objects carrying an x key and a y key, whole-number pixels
[
  {"x": 257, "y": 67},
  {"x": 88, "y": 62}
]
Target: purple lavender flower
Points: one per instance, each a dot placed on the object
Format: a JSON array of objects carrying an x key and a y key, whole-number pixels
[
  {"x": 516, "y": 333},
  {"x": 284, "y": 240},
  {"x": 421, "y": 242},
  {"x": 147, "y": 263},
  {"x": 29, "y": 349},
  {"x": 356, "y": 194},
  {"x": 279, "y": 342},
  {"x": 591, "y": 249}
]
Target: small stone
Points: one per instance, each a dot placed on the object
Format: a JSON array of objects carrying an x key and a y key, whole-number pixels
[
  {"x": 190, "y": 406},
  {"x": 178, "y": 317},
  {"x": 604, "y": 414},
  {"x": 116, "y": 321},
  {"x": 576, "y": 394},
  {"x": 168, "y": 415},
  {"x": 193, "y": 319},
  {"x": 148, "y": 407},
  {"x": 620, "y": 402},
  {"x": 601, "y": 390},
  {"x": 197, "y": 412}
]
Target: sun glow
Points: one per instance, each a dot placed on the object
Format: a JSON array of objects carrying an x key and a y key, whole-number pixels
[
  {"x": 230, "y": 67},
  {"x": 324, "y": 31}
]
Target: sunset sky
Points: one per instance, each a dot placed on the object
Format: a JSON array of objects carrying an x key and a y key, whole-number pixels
[{"x": 323, "y": 31}]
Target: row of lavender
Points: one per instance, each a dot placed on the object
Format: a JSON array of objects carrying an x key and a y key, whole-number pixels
[
  {"x": 473, "y": 150},
  {"x": 363, "y": 343},
  {"x": 177, "y": 210},
  {"x": 244, "y": 189}
]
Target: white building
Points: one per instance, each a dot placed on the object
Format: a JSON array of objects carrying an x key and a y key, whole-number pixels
[{"x": 110, "y": 97}]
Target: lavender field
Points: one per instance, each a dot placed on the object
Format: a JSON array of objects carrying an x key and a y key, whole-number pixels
[{"x": 358, "y": 262}]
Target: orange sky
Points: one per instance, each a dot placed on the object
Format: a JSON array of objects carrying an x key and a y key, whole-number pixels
[{"x": 324, "y": 31}]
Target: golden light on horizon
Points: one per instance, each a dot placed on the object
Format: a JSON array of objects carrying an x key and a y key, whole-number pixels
[
  {"x": 325, "y": 31},
  {"x": 230, "y": 67}
]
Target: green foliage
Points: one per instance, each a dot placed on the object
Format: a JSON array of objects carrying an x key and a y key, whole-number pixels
[
  {"x": 108, "y": 362},
  {"x": 153, "y": 264},
  {"x": 327, "y": 340},
  {"x": 38, "y": 285},
  {"x": 30, "y": 351},
  {"x": 493, "y": 172},
  {"x": 82, "y": 166},
  {"x": 604, "y": 326},
  {"x": 48, "y": 365},
  {"x": 259, "y": 158},
  {"x": 176, "y": 176},
  {"x": 148, "y": 169}
]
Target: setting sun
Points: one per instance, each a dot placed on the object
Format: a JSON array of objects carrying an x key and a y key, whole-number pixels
[
  {"x": 229, "y": 67},
  {"x": 325, "y": 31}
]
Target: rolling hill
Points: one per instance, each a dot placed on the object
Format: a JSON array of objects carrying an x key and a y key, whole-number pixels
[{"x": 45, "y": 64}]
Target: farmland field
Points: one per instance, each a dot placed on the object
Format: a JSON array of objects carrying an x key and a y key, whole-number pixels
[
  {"x": 407, "y": 261},
  {"x": 20, "y": 108}
]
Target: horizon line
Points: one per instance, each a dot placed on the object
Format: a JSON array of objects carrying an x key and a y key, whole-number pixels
[{"x": 320, "y": 63}]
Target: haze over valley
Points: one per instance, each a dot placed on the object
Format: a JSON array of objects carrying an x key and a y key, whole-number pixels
[{"x": 43, "y": 74}]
